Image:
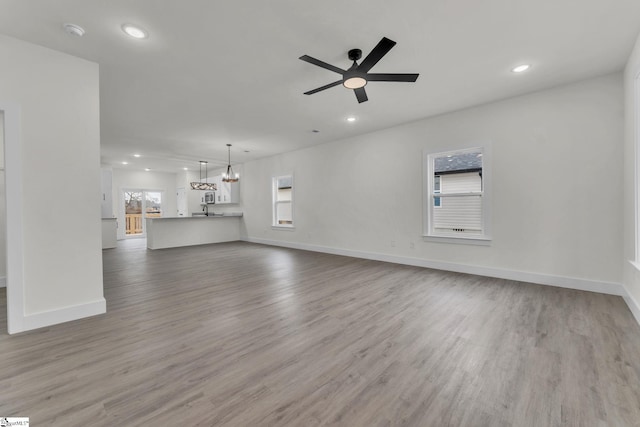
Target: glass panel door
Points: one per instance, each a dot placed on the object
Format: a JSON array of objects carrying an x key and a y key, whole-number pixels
[
  {"x": 133, "y": 212},
  {"x": 153, "y": 204},
  {"x": 138, "y": 205}
]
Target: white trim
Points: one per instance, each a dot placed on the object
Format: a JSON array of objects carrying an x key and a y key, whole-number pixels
[
  {"x": 520, "y": 276},
  {"x": 636, "y": 147},
  {"x": 629, "y": 299},
  {"x": 3, "y": 282},
  {"x": 275, "y": 202},
  {"x": 428, "y": 194},
  {"x": 633, "y": 305},
  {"x": 458, "y": 240},
  {"x": 636, "y": 264},
  {"x": 67, "y": 314},
  {"x": 13, "y": 183}
]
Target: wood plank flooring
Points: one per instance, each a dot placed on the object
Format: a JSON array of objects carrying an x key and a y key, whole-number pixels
[{"x": 238, "y": 334}]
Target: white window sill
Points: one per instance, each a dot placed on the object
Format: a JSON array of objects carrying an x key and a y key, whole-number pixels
[
  {"x": 283, "y": 227},
  {"x": 636, "y": 264},
  {"x": 459, "y": 240}
]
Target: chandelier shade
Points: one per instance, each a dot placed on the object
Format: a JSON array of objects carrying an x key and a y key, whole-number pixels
[{"x": 203, "y": 185}]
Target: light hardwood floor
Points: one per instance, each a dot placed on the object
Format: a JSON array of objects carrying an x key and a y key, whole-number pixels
[{"x": 240, "y": 334}]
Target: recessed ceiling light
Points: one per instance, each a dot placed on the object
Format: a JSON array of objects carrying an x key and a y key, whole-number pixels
[
  {"x": 520, "y": 68},
  {"x": 134, "y": 31},
  {"x": 74, "y": 30},
  {"x": 186, "y": 169},
  {"x": 351, "y": 119},
  {"x": 147, "y": 169},
  {"x": 125, "y": 163},
  {"x": 136, "y": 155}
]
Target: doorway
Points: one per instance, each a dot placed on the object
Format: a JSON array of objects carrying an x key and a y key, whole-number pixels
[
  {"x": 181, "y": 199},
  {"x": 139, "y": 204}
]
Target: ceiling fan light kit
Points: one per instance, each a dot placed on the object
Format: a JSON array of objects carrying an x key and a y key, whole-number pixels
[{"x": 357, "y": 76}]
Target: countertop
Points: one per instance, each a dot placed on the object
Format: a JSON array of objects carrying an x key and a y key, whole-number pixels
[{"x": 216, "y": 216}]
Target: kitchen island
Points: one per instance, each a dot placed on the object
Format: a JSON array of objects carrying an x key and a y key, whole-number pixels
[{"x": 171, "y": 232}]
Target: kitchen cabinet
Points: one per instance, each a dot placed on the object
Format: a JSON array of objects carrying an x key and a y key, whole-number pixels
[{"x": 228, "y": 192}]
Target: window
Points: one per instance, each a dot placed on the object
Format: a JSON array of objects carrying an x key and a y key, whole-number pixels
[
  {"x": 283, "y": 201},
  {"x": 456, "y": 196},
  {"x": 436, "y": 189}
]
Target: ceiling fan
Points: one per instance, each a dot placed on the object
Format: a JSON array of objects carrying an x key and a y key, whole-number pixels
[{"x": 357, "y": 76}]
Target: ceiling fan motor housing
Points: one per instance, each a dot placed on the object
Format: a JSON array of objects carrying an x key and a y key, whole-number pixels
[{"x": 355, "y": 54}]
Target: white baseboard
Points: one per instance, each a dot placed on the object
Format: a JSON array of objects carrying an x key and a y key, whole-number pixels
[
  {"x": 67, "y": 314},
  {"x": 520, "y": 276},
  {"x": 3, "y": 282},
  {"x": 633, "y": 305}
]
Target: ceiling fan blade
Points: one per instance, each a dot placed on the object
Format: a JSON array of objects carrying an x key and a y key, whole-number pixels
[
  {"x": 311, "y": 92},
  {"x": 361, "y": 95},
  {"x": 322, "y": 64},
  {"x": 381, "y": 49},
  {"x": 393, "y": 77}
]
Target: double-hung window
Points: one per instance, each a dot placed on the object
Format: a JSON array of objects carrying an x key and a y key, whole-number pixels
[
  {"x": 456, "y": 195},
  {"x": 283, "y": 201}
]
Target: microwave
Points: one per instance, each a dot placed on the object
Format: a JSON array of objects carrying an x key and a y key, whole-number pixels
[{"x": 210, "y": 197}]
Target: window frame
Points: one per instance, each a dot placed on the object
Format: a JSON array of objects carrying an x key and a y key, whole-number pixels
[
  {"x": 429, "y": 234},
  {"x": 636, "y": 144},
  {"x": 275, "y": 203}
]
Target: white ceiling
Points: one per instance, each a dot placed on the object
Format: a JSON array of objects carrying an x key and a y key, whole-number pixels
[{"x": 219, "y": 72}]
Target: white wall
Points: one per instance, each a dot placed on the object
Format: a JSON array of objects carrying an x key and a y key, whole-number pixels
[
  {"x": 158, "y": 181},
  {"x": 3, "y": 214},
  {"x": 632, "y": 131},
  {"x": 557, "y": 182},
  {"x": 53, "y": 176}
]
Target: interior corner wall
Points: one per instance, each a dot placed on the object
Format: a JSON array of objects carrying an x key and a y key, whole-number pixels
[
  {"x": 557, "y": 198},
  {"x": 57, "y": 147},
  {"x": 631, "y": 134}
]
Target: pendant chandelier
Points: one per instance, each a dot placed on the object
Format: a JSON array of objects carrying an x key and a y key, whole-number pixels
[
  {"x": 200, "y": 185},
  {"x": 230, "y": 176}
]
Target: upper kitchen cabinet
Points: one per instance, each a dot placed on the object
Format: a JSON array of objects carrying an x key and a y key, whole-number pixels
[{"x": 228, "y": 192}]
